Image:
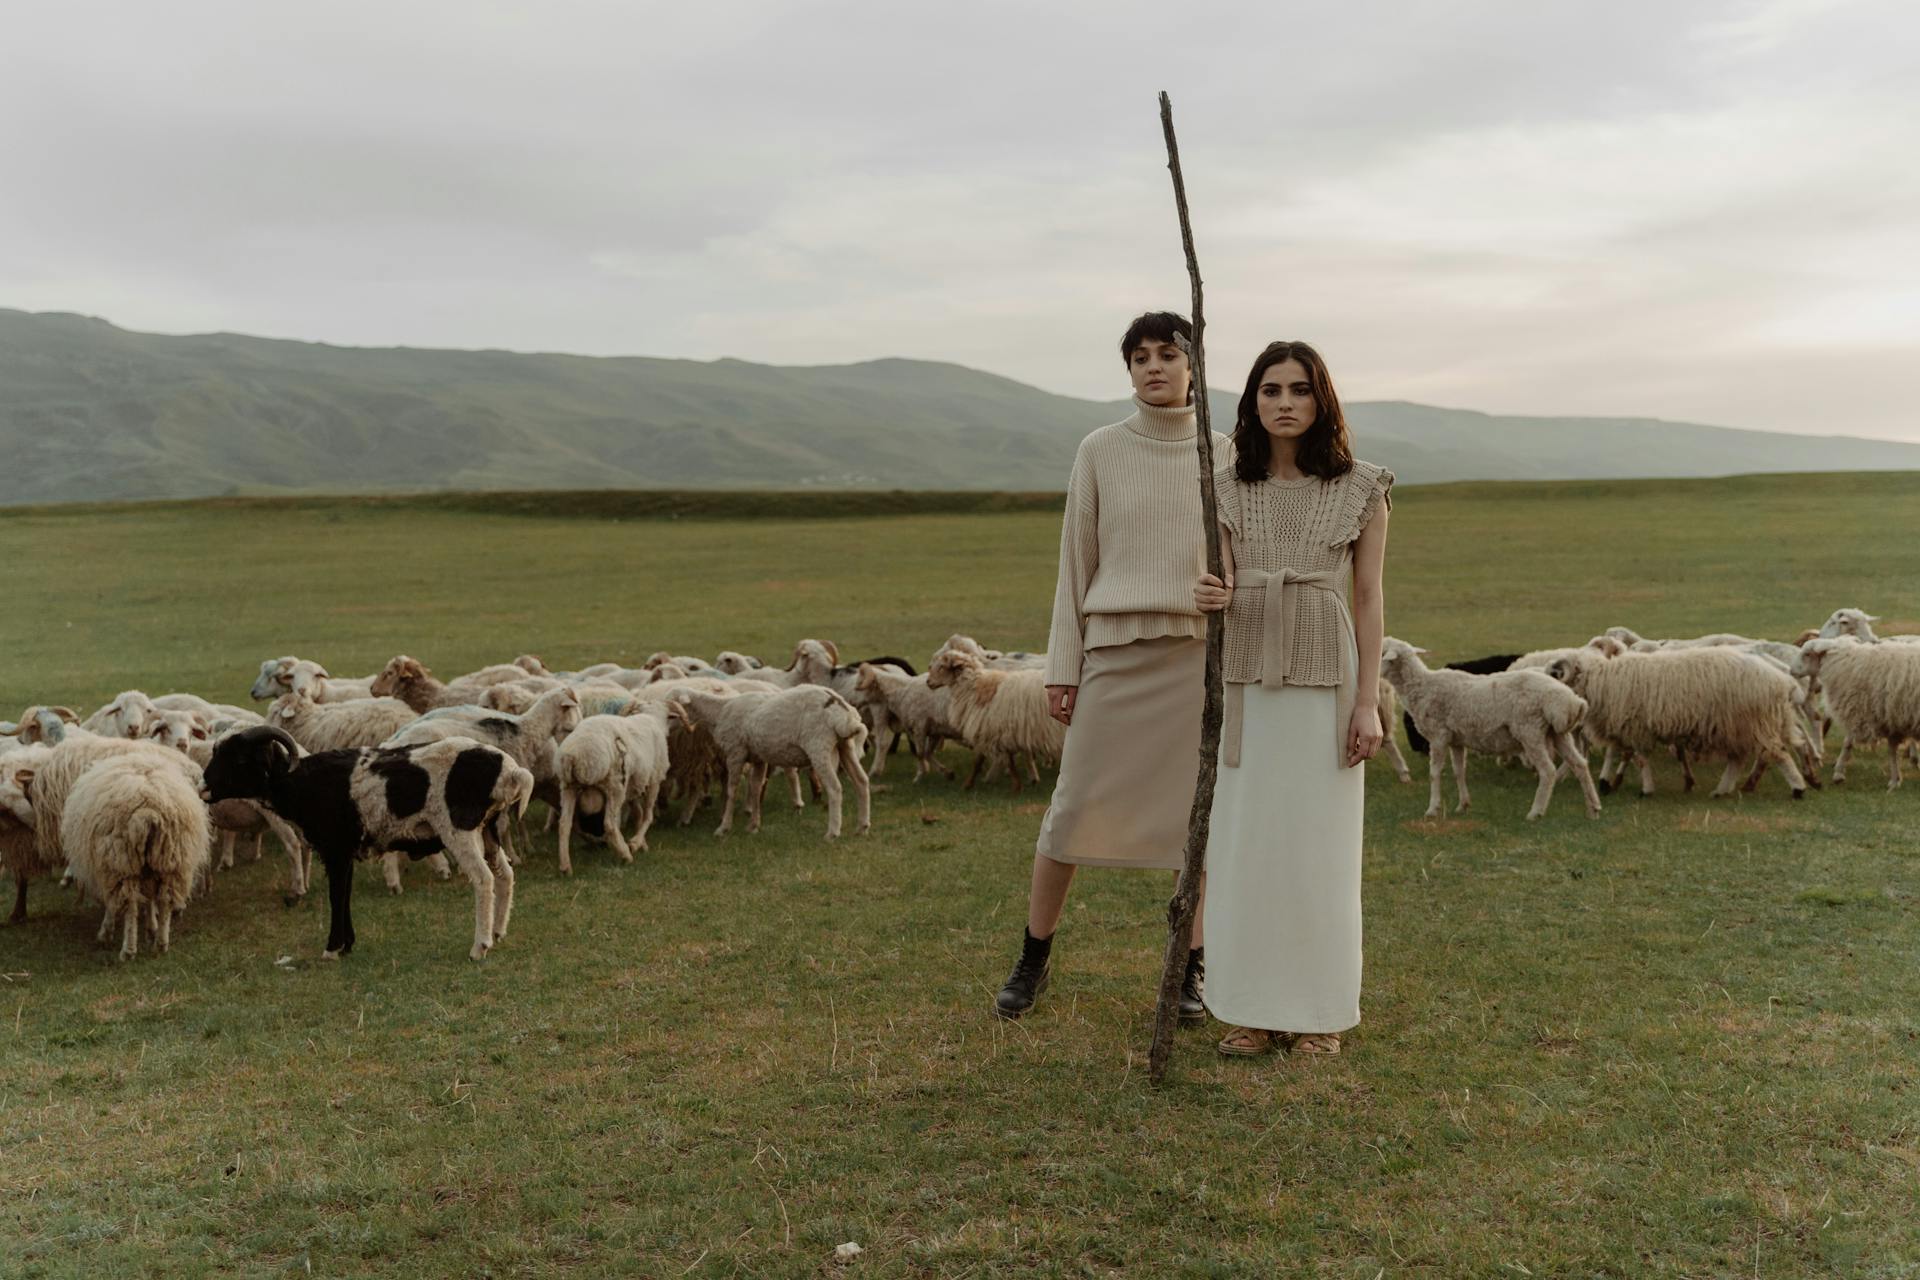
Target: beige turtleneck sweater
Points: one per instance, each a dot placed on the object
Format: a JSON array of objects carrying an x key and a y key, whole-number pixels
[{"x": 1132, "y": 544}]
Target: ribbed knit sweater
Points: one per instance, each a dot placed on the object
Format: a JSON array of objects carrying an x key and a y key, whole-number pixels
[{"x": 1132, "y": 544}]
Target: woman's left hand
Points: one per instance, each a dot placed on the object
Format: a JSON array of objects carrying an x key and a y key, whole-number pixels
[{"x": 1364, "y": 735}]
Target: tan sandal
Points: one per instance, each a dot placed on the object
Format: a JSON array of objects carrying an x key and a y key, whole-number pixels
[
  {"x": 1247, "y": 1042},
  {"x": 1320, "y": 1044}
]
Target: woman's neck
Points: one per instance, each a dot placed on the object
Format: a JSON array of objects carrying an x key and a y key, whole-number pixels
[
  {"x": 1163, "y": 421},
  {"x": 1283, "y": 463}
]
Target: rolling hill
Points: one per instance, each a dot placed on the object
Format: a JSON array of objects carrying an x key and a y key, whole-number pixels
[{"x": 93, "y": 412}]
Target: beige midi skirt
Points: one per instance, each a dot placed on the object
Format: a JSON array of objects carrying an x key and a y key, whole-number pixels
[{"x": 1132, "y": 757}]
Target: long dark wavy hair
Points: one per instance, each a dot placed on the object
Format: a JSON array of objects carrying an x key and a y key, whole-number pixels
[{"x": 1325, "y": 450}]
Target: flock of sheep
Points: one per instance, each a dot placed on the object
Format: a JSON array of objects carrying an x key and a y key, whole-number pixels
[
  {"x": 131, "y": 801},
  {"x": 1752, "y": 704},
  {"x": 128, "y": 801}
]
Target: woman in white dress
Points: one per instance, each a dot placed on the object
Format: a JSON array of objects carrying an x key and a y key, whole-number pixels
[{"x": 1301, "y": 520}]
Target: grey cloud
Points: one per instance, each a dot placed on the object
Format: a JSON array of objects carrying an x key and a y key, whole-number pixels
[{"x": 1490, "y": 204}]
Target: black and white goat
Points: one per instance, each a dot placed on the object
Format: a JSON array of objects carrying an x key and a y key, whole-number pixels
[{"x": 353, "y": 803}]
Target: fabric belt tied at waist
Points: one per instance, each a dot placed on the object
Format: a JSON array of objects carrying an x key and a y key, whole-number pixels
[{"x": 1276, "y": 654}]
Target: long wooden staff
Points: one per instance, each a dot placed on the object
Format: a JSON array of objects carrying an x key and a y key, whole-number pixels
[{"x": 1186, "y": 893}]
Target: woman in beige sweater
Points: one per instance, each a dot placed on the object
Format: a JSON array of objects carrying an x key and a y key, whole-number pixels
[
  {"x": 1127, "y": 653},
  {"x": 1301, "y": 521}
]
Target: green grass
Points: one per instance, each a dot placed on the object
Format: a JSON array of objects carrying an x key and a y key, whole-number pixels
[{"x": 1683, "y": 1039}]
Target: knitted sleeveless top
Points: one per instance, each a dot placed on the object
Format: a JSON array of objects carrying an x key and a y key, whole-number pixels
[{"x": 1295, "y": 527}]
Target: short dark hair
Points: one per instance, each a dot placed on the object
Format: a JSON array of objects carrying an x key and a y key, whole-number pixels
[
  {"x": 1155, "y": 326},
  {"x": 1325, "y": 450}
]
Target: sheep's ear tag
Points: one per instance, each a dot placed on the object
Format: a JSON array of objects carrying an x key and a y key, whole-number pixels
[{"x": 22, "y": 777}]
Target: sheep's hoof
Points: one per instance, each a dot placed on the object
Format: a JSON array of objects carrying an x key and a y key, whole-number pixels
[
  {"x": 479, "y": 951},
  {"x": 1594, "y": 812},
  {"x": 1800, "y": 793},
  {"x": 1405, "y": 777},
  {"x": 1535, "y": 817},
  {"x": 291, "y": 899},
  {"x": 394, "y": 889},
  {"x": 1604, "y": 787},
  {"x": 1433, "y": 813},
  {"x": 447, "y": 875}
]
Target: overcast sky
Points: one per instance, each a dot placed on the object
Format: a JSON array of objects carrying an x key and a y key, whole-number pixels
[{"x": 1704, "y": 211}]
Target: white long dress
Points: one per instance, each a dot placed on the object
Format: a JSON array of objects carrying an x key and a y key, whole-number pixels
[{"x": 1283, "y": 871}]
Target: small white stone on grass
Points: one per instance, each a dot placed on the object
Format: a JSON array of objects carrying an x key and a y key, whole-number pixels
[{"x": 847, "y": 1252}]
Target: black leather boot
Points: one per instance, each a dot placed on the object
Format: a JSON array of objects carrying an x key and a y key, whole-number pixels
[
  {"x": 1028, "y": 979},
  {"x": 1193, "y": 1010}
]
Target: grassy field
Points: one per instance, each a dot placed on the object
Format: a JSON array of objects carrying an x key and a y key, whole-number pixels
[{"x": 1683, "y": 1039}]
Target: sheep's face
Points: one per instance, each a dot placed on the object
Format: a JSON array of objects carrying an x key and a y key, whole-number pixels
[
  {"x": 1394, "y": 652},
  {"x": 816, "y": 658},
  {"x": 245, "y": 765},
  {"x": 45, "y": 725},
  {"x": 309, "y": 678},
  {"x": 275, "y": 679},
  {"x": 655, "y": 659},
  {"x": 949, "y": 668},
  {"x": 1848, "y": 622},
  {"x": 179, "y": 730},
  {"x": 531, "y": 664},
  {"x": 401, "y": 671},
  {"x": 129, "y": 715},
  {"x": 14, "y": 799}
]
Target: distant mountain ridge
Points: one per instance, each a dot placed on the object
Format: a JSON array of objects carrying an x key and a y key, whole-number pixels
[{"x": 93, "y": 412}]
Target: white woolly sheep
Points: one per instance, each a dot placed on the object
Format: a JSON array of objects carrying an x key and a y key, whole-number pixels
[
  {"x": 609, "y": 763},
  {"x": 808, "y": 727},
  {"x": 1526, "y": 713},
  {"x": 135, "y": 834},
  {"x": 1874, "y": 690},
  {"x": 1712, "y": 702},
  {"x": 125, "y": 717},
  {"x": 364, "y": 722},
  {"x": 285, "y": 675},
  {"x": 919, "y": 711},
  {"x": 999, "y": 713},
  {"x": 53, "y": 778}
]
